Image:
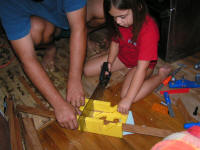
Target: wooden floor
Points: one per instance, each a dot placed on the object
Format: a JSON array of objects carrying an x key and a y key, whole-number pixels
[{"x": 53, "y": 137}]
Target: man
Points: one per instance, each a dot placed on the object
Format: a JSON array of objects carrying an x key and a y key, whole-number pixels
[{"x": 32, "y": 23}]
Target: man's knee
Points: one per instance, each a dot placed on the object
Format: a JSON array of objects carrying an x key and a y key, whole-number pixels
[
  {"x": 48, "y": 33},
  {"x": 37, "y": 29},
  {"x": 94, "y": 10},
  {"x": 41, "y": 30}
]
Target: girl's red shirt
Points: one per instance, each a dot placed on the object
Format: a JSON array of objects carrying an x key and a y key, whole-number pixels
[{"x": 145, "y": 47}]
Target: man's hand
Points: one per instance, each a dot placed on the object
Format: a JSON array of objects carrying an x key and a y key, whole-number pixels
[
  {"x": 75, "y": 93},
  {"x": 124, "y": 105},
  {"x": 66, "y": 116}
]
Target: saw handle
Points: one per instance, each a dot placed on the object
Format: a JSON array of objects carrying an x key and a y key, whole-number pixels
[
  {"x": 103, "y": 78},
  {"x": 166, "y": 81},
  {"x": 167, "y": 99}
]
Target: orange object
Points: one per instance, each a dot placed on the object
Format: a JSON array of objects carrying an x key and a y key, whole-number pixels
[
  {"x": 160, "y": 108},
  {"x": 166, "y": 81}
]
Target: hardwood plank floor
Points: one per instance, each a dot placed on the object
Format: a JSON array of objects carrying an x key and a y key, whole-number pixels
[{"x": 143, "y": 115}]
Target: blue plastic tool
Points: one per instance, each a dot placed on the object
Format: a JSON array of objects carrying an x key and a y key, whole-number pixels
[
  {"x": 129, "y": 120},
  {"x": 197, "y": 66},
  {"x": 169, "y": 105},
  {"x": 188, "y": 125},
  {"x": 197, "y": 78},
  {"x": 184, "y": 84}
]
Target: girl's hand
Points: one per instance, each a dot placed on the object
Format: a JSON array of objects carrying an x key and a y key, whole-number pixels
[{"x": 124, "y": 105}]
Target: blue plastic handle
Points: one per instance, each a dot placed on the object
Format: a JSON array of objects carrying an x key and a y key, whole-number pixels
[
  {"x": 183, "y": 84},
  {"x": 188, "y": 125},
  {"x": 167, "y": 99}
]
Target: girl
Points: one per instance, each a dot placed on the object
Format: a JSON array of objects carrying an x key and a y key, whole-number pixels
[{"x": 134, "y": 45}]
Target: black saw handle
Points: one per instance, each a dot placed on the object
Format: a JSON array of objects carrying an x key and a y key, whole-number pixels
[{"x": 103, "y": 78}]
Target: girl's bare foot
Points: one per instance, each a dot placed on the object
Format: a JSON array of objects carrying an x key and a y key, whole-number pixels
[{"x": 49, "y": 58}]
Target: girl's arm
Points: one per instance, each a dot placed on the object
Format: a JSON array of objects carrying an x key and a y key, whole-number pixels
[
  {"x": 135, "y": 85},
  {"x": 113, "y": 51}
]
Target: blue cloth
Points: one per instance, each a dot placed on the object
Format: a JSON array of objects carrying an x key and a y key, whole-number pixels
[{"x": 15, "y": 14}]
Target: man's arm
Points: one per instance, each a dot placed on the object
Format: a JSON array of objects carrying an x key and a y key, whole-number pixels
[
  {"x": 64, "y": 112},
  {"x": 78, "y": 38}
]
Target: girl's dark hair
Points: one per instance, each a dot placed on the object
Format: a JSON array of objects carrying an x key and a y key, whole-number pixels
[{"x": 138, "y": 8}]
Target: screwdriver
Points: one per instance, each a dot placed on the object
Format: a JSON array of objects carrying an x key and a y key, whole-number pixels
[{"x": 166, "y": 81}]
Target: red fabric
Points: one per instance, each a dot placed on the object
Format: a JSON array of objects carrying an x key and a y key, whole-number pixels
[
  {"x": 172, "y": 145},
  {"x": 195, "y": 130},
  {"x": 144, "y": 49}
]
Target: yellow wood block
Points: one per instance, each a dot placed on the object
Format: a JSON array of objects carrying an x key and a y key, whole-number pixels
[{"x": 101, "y": 118}]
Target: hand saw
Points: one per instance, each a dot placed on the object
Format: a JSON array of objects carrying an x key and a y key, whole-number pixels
[{"x": 98, "y": 92}]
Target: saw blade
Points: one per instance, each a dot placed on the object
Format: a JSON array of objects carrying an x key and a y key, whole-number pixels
[{"x": 99, "y": 90}]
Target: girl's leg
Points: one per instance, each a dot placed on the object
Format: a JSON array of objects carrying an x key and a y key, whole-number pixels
[
  {"x": 93, "y": 66},
  {"x": 42, "y": 31},
  {"x": 149, "y": 84},
  {"x": 128, "y": 80}
]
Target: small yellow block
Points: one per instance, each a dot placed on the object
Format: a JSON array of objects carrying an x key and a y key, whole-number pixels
[{"x": 101, "y": 118}]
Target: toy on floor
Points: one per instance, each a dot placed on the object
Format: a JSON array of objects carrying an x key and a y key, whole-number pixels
[
  {"x": 183, "y": 83},
  {"x": 197, "y": 78},
  {"x": 171, "y": 75},
  {"x": 103, "y": 119},
  {"x": 195, "y": 113},
  {"x": 160, "y": 108},
  {"x": 176, "y": 91},
  {"x": 185, "y": 140},
  {"x": 191, "y": 124},
  {"x": 169, "y": 105},
  {"x": 197, "y": 66}
]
